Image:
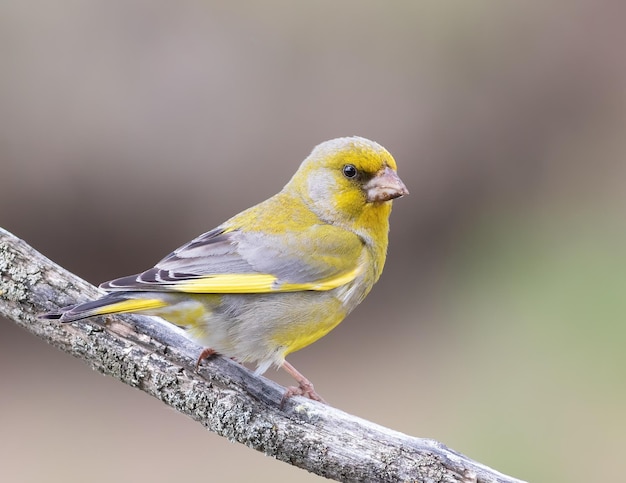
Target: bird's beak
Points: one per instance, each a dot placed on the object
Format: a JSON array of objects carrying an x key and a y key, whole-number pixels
[{"x": 385, "y": 186}]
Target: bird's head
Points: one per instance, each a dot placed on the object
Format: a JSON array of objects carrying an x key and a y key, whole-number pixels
[{"x": 349, "y": 180}]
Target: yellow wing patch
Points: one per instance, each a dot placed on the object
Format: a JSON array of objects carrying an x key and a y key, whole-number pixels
[{"x": 259, "y": 283}]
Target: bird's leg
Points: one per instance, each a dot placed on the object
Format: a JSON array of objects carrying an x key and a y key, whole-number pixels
[
  {"x": 205, "y": 354},
  {"x": 305, "y": 387}
]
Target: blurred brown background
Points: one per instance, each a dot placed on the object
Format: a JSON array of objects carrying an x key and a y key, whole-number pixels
[{"x": 128, "y": 127}]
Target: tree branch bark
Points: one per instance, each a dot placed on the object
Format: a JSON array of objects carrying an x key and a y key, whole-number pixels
[{"x": 223, "y": 396}]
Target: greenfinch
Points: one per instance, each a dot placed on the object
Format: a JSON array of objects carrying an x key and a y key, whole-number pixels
[{"x": 280, "y": 275}]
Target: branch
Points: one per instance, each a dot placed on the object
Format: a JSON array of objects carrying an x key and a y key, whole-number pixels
[{"x": 223, "y": 396}]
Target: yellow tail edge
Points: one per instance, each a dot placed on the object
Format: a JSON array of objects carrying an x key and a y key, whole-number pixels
[{"x": 131, "y": 305}]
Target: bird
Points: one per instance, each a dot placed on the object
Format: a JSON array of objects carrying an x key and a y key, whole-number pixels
[{"x": 279, "y": 275}]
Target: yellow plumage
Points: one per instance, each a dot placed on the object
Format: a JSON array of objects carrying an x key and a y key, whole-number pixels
[{"x": 280, "y": 275}]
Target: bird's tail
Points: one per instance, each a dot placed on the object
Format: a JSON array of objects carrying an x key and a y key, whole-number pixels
[{"x": 110, "y": 304}]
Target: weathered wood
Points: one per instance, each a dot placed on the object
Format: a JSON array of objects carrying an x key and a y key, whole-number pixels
[{"x": 225, "y": 397}]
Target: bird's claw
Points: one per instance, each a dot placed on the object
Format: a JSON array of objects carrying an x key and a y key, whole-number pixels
[
  {"x": 205, "y": 354},
  {"x": 305, "y": 389}
]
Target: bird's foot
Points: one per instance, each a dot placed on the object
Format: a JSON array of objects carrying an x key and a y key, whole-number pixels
[
  {"x": 305, "y": 387},
  {"x": 205, "y": 354}
]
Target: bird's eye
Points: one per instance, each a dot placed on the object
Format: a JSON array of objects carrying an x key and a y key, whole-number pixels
[{"x": 349, "y": 171}]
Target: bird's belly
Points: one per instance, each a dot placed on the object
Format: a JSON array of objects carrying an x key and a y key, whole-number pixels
[
  {"x": 278, "y": 323},
  {"x": 260, "y": 328},
  {"x": 305, "y": 330}
]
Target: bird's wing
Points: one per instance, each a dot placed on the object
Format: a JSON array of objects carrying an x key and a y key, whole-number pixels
[{"x": 321, "y": 257}]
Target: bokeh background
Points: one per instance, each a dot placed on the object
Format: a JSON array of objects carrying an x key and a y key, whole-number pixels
[{"x": 129, "y": 126}]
